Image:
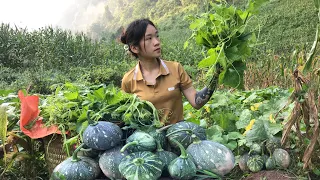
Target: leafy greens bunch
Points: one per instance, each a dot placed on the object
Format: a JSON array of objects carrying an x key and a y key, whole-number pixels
[
  {"x": 223, "y": 32},
  {"x": 67, "y": 107}
]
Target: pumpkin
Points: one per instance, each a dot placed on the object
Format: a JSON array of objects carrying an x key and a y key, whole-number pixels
[
  {"x": 255, "y": 163},
  {"x": 281, "y": 158},
  {"x": 212, "y": 156},
  {"x": 139, "y": 141},
  {"x": 143, "y": 165},
  {"x": 76, "y": 168},
  {"x": 166, "y": 157},
  {"x": 183, "y": 131},
  {"x": 270, "y": 163},
  {"x": 101, "y": 135},
  {"x": 158, "y": 134},
  {"x": 243, "y": 162},
  {"x": 89, "y": 152},
  {"x": 273, "y": 143},
  {"x": 109, "y": 162},
  {"x": 255, "y": 149},
  {"x": 183, "y": 166}
]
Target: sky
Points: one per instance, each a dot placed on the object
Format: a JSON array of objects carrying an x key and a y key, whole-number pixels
[{"x": 33, "y": 14}]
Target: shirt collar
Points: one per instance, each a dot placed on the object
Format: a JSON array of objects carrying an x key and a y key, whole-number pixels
[{"x": 164, "y": 70}]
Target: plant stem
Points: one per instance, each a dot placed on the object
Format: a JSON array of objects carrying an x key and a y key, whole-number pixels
[
  {"x": 74, "y": 155},
  {"x": 184, "y": 154},
  {"x": 127, "y": 145}
]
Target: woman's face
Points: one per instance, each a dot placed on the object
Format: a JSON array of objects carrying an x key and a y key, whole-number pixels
[{"x": 150, "y": 44}]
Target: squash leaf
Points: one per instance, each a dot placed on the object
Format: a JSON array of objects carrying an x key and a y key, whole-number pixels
[
  {"x": 233, "y": 76},
  {"x": 262, "y": 129},
  {"x": 259, "y": 131},
  {"x": 244, "y": 119}
]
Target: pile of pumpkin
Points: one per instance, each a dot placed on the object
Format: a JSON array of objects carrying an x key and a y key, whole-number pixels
[
  {"x": 141, "y": 156},
  {"x": 268, "y": 155}
]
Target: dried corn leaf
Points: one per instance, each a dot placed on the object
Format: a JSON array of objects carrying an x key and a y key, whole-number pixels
[{"x": 314, "y": 116}]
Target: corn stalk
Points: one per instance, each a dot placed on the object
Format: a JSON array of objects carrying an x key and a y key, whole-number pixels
[{"x": 306, "y": 100}]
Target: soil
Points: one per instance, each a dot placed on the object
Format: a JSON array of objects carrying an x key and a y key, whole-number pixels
[{"x": 270, "y": 175}]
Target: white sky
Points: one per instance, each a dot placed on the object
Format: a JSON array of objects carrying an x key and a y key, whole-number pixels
[{"x": 33, "y": 14}]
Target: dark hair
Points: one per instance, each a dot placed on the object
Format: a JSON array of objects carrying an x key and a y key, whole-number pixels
[{"x": 135, "y": 32}]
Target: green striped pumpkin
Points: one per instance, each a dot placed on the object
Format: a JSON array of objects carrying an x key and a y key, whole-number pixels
[
  {"x": 255, "y": 163},
  {"x": 166, "y": 157},
  {"x": 143, "y": 165},
  {"x": 183, "y": 131},
  {"x": 158, "y": 134},
  {"x": 270, "y": 163},
  {"x": 139, "y": 141},
  {"x": 183, "y": 166}
]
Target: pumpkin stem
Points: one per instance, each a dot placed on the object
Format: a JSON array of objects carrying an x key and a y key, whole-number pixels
[
  {"x": 74, "y": 155},
  {"x": 86, "y": 149},
  {"x": 159, "y": 147},
  {"x": 90, "y": 121},
  {"x": 195, "y": 139},
  {"x": 184, "y": 154},
  {"x": 179, "y": 130},
  {"x": 163, "y": 128},
  {"x": 127, "y": 145},
  {"x": 138, "y": 161}
]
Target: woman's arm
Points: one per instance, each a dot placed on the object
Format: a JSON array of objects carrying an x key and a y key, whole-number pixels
[{"x": 199, "y": 98}]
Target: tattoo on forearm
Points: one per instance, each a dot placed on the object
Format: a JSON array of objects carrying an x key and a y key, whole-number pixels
[{"x": 204, "y": 95}]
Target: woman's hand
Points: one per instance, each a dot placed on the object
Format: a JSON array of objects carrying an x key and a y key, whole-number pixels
[{"x": 199, "y": 98}]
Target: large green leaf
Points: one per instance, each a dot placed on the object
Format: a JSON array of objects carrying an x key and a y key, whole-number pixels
[
  {"x": 259, "y": 131},
  {"x": 225, "y": 120},
  {"x": 219, "y": 99},
  {"x": 244, "y": 119},
  {"x": 233, "y": 76},
  {"x": 262, "y": 129},
  {"x": 210, "y": 60}
]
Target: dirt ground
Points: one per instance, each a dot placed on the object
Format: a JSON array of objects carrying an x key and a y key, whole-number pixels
[{"x": 270, "y": 175}]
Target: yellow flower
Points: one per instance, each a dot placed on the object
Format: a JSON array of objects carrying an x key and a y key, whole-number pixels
[
  {"x": 207, "y": 108},
  {"x": 248, "y": 128},
  {"x": 272, "y": 120},
  {"x": 255, "y": 106}
]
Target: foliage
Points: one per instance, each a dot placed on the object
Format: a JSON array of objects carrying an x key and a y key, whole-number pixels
[
  {"x": 49, "y": 56},
  {"x": 237, "y": 119},
  {"x": 222, "y": 31},
  {"x": 23, "y": 156}
]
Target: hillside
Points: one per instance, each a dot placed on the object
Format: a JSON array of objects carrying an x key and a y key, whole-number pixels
[{"x": 284, "y": 24}]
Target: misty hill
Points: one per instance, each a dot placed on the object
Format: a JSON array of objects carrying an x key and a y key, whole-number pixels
[{"x": 284, "y": 24}]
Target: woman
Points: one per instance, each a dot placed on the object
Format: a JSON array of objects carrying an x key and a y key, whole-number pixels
[{"x": 159, "y": 81}]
